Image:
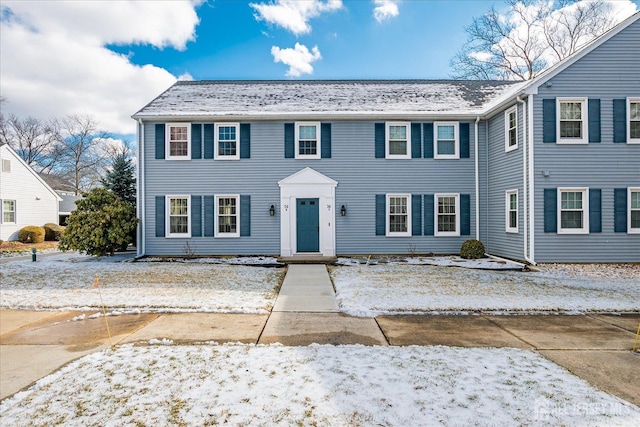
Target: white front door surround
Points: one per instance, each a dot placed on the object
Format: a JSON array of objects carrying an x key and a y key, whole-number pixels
[{"x": 307, "y": 183}]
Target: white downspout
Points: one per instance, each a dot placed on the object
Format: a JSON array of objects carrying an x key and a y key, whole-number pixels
[
  {"x": 532, "y": 233},
  {"x": 477, "y": 172},
  {"x": 525, "y": 135},
  {"x": 140, "y": 191}
]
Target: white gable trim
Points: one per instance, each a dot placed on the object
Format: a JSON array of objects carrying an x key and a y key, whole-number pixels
[{"x": 30, "y": 169}]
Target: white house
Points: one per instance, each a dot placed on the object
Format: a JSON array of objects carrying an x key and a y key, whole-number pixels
[{"x": 25, "y": 199}]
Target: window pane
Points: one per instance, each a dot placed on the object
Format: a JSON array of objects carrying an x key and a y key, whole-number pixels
[
  {"x": 308, "y": 147},
  {"x": 9, "y": 210},
  {"x": 398, "y": 223},
  {"x": 635, "y": 200},
  {"x": 179, "y": 224},
  {"x": 447, "y": 223},
  {"x": 635, "y": 219},
  {"x": 513, "y": 219},
  {"x": 307, "y": 132},
  {"x": 397, "y": 133},
  {"x": 570, "y": 111},
  {"x": 446, "y": 132},
  {"x": 178, "y": 148},
  {"x": 397, "y": 147},
  {"x": 571, "y": 219},
  {"x": 178, "y": 207},
  {"x": 513, "y": 137},
  {"x": 571, "y": 200},
  {"x": 446, "y": 147},
  {"x": 634, "y": 111},
  {"x": 634, "y": 130},
  {"x": 227, "y": 224},
  {"x": 513, "y": 201},
  {"x": 227, "y": 133},
  {"x": 398, "y": 205},
  {"x": 512, "y": 119},
  {"x": 447, "y": 205},
  {"x": 571, "y": 129}
]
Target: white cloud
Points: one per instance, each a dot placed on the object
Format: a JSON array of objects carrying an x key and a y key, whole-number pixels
[
  {"x": 385, "y": 9},
  {"x": 54, "y": 62},
  {"x": 298, "y": 59},
  {"x": 293, "y": 15}
]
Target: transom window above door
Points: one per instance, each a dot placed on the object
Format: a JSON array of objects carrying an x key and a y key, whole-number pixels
[{"x": 307, "y": 139}]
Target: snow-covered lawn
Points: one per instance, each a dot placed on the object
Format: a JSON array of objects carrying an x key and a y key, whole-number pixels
[
  {"x": 411, "y": 287},
  {"x": 65, "y": 282},
  {"x": 316, "y": 385}
]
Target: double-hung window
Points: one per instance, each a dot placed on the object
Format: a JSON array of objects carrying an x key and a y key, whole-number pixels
[
  {"x": 511, "y": 129},
  {"x": 573, "y": 205},
  {"x": 633, "y": 119},
  {"x": 511, "y": 211},
  {"x": 178, "y": 218},
  {"x": 178, "y": 137},
  {"x": 633, "y": 215},
  {"x": 447, "y": 213},
  {"x": 8, "y": 211},
  {"x": 227, "y": 141},
  {"x": 398, "y": 215},
  {"x": 397, "y": 138},
  {"x": 572, "y": 121},
  {"x": 227, "y": 218},
  {"x": 307, "y": 136},
  {"x": 447, "y": 140}
]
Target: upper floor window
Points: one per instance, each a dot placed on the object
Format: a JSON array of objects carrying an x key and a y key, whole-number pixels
[
  {"x": 398, "y": 135},
  {"x": 398, "y": 215},
  {"x": 633, "y": 126},
  {"x": 512, "y": 211},
  {"x": 177, "y": 140},
  {"x": 447, "y": 140},
  {"x": 178, "y": 218},
  {"x": 307, "y": 140},
  {"x": 447, "y": 214},
  {"x": 634, "y": 210},
  {"x": 227, "y": 217},
  {"x": 574, "y": 211},
  {"x": 572, "y": 121},
  {"x": 8, "y": 211},
  {"x": 511, "y": 129},
  {"x": 226, "y": 141}
]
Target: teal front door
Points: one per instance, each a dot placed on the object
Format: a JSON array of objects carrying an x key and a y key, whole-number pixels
[{"x": 307, "y": 225}]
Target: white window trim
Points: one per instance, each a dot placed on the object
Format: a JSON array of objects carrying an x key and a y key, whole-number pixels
[
  {"x": 629, "y": 229},
  {"x": 507, "y": 216},
  {"x": 584, "y": 113},
  {"x": 167, "y": 216},
  {"x": 15, "y": 211},
  {"x": 456, "y": 154},
  {"x": 297, "y": 139},
  {"x": 388, "y": 214},
  {"x": 629, "y": 139},
  {"x": 585, "y": 211},
  {"x": 216, "y": 221},
  {"x": 435, "y": 215},
  {"x": 507, "y": 124},
  {"x": 167, "y": 141},
  {"x": 387, "y": 155},
  {"x": 216, "y": 141}
]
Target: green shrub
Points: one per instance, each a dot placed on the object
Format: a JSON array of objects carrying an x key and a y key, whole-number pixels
[
  {"x": 31, "y": 234},
  {"x": 52, "y": 232},
  {"x": 472, "y": 249}
]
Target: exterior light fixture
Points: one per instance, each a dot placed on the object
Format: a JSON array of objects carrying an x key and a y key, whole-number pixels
[
  {"x": 272, "y": 210},
  {"x": 343, "y": 211}
]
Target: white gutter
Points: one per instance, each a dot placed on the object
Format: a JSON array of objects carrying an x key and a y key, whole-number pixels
[
  {"x": 477, "y": 173},
  {"x": 140, "y": 191},
  {"x": 531, "y": 185},
  {"x": 525, "y": 135}
]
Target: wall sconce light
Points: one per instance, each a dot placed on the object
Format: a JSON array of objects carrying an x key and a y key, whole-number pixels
[
  {"x": 343, "y": 211},
  {"x": 272, "y": 210}
]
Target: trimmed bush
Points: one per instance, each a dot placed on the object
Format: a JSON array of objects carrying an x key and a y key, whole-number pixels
[
  {"x": 31, "y": 234},
  {"x": 472, "y": 249},
  {"x": 52, "y": 232}
]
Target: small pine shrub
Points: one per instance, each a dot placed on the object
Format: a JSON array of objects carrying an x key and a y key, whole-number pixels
[
  {"x": 52, "y": 232},
  {"x": 472, "y": 249},
  {"x": 31, "y": 234}
]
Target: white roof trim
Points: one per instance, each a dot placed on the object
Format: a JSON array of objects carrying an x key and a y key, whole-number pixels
[{"x": 30, "y": 169}]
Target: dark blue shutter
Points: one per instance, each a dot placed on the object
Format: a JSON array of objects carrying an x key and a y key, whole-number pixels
[
  {"x": 325, "y": 140},
  {"x": 594, "y": 120},
  {"x": 160, "y": 209},
  {"x": 416, "y": 140},
  {"x": 209, "y": 130},
  {"x": 620, "y": 210},
  {"x": 595, "y": 210},
  {"x": 380, "y": 140},
  {"x": 428, "y": 140},
  {"x": 428, "y": 215},
  {"x": 289, "y": 141},
  {"x": 196, "y": 216},
  {"x": 160, "y": 140},
  {"x": 196, "y": 141},
  {"x": 245, "y": 140},
  {"x": 550, "y": 210},
  {"x": 209, "y": 216},
  {"x": 620, "y": 121},
  {"x": 464, "y": 140},
  {"x": 416, "y": 215},
  {"x": 245, "y": 215},
  {"x": 549, "y": 120},
  {"x": 381, "y": 215},
  {"x": 465, "y": 214}
]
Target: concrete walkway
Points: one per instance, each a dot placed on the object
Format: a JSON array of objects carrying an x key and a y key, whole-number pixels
[{"x": 306, "y": 288}]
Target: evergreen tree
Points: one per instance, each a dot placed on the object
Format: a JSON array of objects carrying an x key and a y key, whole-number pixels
[{"x": 121, "y": 179}]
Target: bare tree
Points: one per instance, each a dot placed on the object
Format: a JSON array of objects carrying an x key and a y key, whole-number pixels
[
  {"x": 33, "y": 139},
  {"x": 530, "y": 36}
]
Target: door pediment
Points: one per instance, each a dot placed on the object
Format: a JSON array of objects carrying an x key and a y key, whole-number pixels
[{"x": 307, "y": 176}]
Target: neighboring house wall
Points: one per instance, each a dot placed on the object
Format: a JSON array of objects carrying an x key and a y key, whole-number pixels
[
  {"x": 360, "y": 176},
  {"x": 608, "y": 73},
  {"x": 34, "y": 201}
]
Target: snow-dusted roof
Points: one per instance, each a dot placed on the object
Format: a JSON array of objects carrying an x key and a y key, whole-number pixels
[{"x": 347, "y": 98}]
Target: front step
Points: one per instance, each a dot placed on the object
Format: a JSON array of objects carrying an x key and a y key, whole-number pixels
[{"x": 308, "y": 259}]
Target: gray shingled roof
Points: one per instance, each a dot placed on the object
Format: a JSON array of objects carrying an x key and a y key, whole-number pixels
[{"x": 328, "y": 97}]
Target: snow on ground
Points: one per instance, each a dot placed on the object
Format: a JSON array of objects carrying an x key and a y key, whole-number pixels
[
  {"x": 65, "y": 282},
  {"x": 371, "y": 290},
  {"x": 316, "y": 385}
]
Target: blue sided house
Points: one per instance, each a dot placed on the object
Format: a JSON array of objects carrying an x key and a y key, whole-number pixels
[{"x": 542, "y": 171}]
